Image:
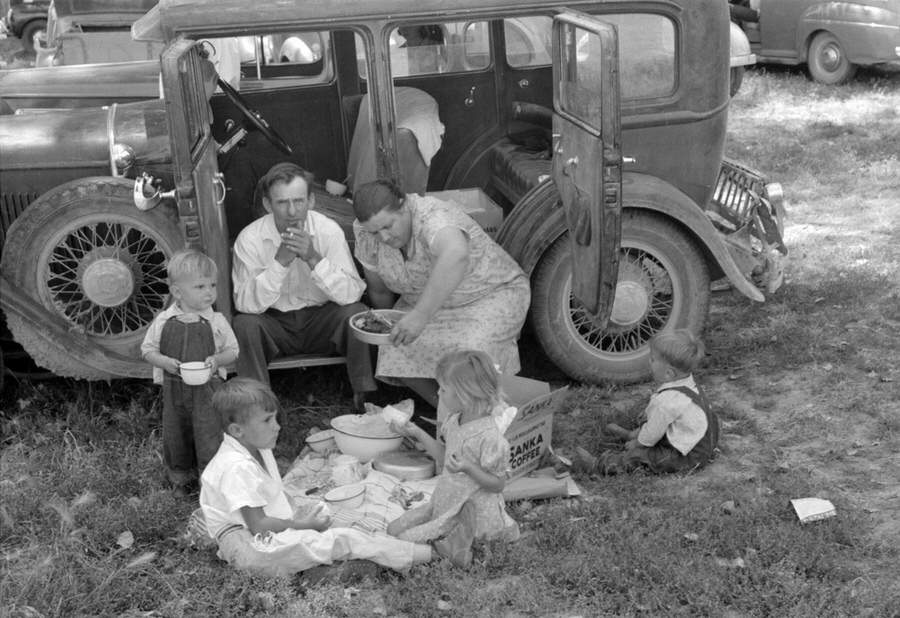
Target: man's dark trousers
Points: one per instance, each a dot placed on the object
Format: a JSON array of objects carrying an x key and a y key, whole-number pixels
[{"x": 324, "y": 329}]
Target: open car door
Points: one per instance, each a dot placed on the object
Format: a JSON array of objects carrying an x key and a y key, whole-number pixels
[
  {"x": 587, "y": 158},
  {"x": 189, "y": 79}
]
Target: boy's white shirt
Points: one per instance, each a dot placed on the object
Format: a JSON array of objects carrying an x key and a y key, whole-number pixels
[
  {"x": 223, "y": 337},
  {"x": 234, "y": 479},
  {"x": 674, "y": 415}
]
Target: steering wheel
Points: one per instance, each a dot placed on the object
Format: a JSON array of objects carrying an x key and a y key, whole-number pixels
[{"x": 259, "y": 123}]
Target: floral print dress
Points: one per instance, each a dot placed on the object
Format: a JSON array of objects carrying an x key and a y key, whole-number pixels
[
  {"x": 485, "y": 312},
  {"x": 479, "y": 441}
]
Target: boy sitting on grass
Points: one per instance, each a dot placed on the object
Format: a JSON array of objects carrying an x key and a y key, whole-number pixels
[
  {"x": 249, "y": 514},
  {"x": 681, "y": 431}
]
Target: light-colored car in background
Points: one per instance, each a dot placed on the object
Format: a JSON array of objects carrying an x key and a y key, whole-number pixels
[
  {"x": 93, "y": 31},
  {"x": 832, "y": 38}
]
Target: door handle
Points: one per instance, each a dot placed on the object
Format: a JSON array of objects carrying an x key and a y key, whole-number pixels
[{"x": 470, "y": 100}]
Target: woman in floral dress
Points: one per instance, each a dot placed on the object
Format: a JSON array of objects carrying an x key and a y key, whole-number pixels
[{"x": 460, "y": 289}]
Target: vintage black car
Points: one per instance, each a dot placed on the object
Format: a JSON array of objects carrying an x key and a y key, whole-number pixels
[{"x": 597, "y": 126}]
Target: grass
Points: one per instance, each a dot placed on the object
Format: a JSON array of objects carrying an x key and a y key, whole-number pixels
[{"x": 805, "y": 383}]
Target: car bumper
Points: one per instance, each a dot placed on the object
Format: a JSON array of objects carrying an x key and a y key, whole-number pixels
[
  {"x": 750, "y": 213},
  {"x": 743, "y": 60}
]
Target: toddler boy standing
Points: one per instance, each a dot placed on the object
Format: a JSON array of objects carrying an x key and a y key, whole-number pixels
[{"x": 189, "y": 330}]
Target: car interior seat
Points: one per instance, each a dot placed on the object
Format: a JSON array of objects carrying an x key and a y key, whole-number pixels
[{"x": 419, "y": 137}]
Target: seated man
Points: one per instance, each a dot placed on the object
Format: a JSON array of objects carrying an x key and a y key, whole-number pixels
[{"x": 295, "y": 284}]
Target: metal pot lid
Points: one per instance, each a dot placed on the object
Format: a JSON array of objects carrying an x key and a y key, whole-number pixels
[{"x": 406, "y": 465}]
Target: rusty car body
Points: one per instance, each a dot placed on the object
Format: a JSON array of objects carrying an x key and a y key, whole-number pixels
[{"x": 604, "y": 149}]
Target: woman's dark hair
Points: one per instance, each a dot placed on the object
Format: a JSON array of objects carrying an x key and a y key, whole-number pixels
[
  {"x": 373, "y": 197},
  {"x": 283, "y": 172}
]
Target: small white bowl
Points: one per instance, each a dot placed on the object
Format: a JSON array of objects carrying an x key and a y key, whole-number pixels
[
  {"x": 335, "y": 188},
  {"x": 322, "y": 441},
  {"x": 346, "y": 496},
  {"x": 195, "y": 373}
]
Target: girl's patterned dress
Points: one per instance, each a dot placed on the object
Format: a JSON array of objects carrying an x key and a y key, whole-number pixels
[
  {"x": 479, "y": 441},
  {"x": 485, "y": 312}
]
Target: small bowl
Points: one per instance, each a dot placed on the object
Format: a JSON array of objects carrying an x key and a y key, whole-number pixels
[
  {"x": 346, "y": 496},
  {"x": 322, "y": 441},
  {"x": 195, "y": 373},
  {"x": 356, "y": 322},
  {"x": 365, "y": 436},
  {"x": 335, "y": 188}
]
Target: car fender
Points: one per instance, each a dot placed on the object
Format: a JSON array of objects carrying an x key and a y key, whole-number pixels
[
  {"x": 539, "y": 219},
  {"x": 866, "y": 33},
  {"x": 740, "y": 48}
]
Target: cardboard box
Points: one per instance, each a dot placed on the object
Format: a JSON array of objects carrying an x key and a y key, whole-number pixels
[
  {"x": 477, "y": 205},
  {"x": 530, "y": 433}
]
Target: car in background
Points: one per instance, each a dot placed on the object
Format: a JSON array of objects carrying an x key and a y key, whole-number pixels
[
  {"x": 27, "y": 19},
  {"x": 832, "y": 38},
  {"x": 741, "y": 56},
  {"x": 93, "y": 31}
]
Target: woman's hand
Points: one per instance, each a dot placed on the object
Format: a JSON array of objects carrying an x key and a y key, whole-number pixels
[
  {"x": 408, "y": 328},
  {"x": 213, "y": 364}
]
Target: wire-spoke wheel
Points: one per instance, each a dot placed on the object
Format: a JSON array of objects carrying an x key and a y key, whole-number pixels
[
  {"x": 86, "y": 253},
  {"x": 663, "y": 284}
]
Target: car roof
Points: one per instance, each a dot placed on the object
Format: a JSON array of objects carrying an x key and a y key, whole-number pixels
[
  {"x": 65, "y": 8},
  {"x": 171, "y": 17}
]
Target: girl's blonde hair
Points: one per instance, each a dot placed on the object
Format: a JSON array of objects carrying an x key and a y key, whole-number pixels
[
  {"x": 190, "y": 263},
  {"x": 472, "y": 376},
  {"x": 679, "y": 348}
]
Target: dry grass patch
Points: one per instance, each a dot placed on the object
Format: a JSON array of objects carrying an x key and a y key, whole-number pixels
[{"x": 806, "y": 386}]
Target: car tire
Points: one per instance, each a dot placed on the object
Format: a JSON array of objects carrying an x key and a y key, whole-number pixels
[
  {"x": 86, "y": 254},
  {"x": 32, "y": 29},
  {"x": 827, "y": 60},
  {"x": 664, "y": 284}
]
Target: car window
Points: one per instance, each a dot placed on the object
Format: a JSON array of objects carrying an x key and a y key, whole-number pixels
[
  {"x": 646, "y": 50},
  {"x": 527, "y": 41},
  {"x": 580, "y": 76},
  {"x": 425, "y": 49},
  {"x": 646, "y": 54},
  {"x": 291, "y": 57}
]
